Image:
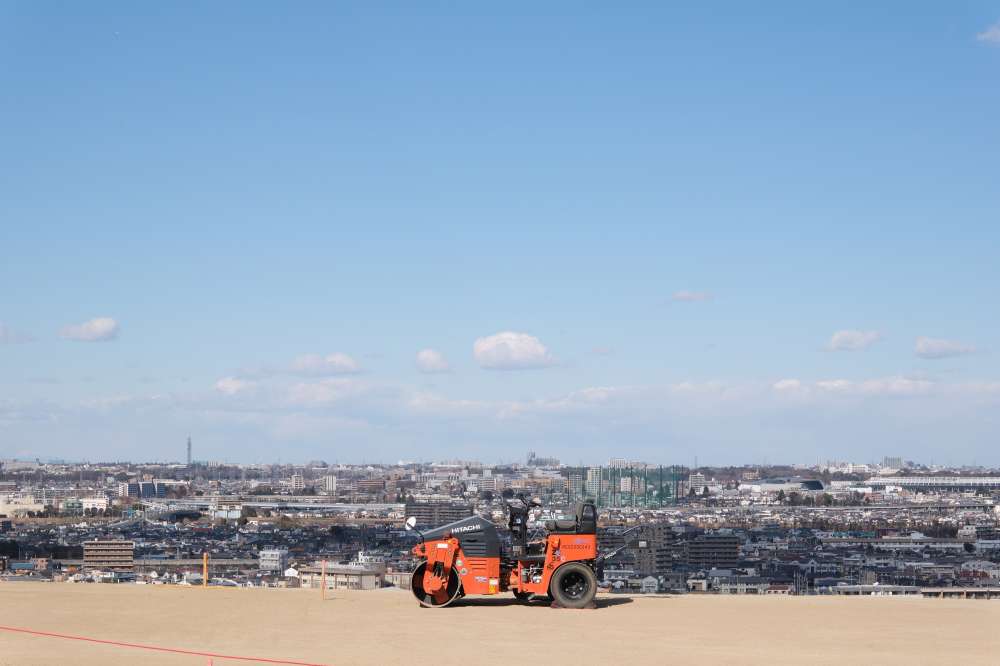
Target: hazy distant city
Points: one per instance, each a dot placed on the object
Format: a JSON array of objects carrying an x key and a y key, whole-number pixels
[{"x": 848, "y": 528}]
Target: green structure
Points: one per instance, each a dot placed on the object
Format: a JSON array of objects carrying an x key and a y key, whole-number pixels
[{"x": 645, "y": 487}]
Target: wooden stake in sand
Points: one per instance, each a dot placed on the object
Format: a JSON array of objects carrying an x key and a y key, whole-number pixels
[{"x": 323, "y": 581}]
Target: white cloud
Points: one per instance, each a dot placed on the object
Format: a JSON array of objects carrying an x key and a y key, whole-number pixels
[
  {"x": 432, "y": 403},
  {"x": 787, "y": 385},
  {"x": 232, "y": 385},
  {"x": 508, "y": 350},
  {"x": 322, "y": 366},
  {"x": 835, "y": 385},
  {"x": 9, "y": 336},
  {"x": 884, "y": 386},
  {"x": 99, "y": 329},
  {"x": 979, "y": 388},
  {"x": 991, "y": 35},
  {"x": 935, "y": 348},
  {"x": 325, "y": 392},
  {"x": 895, "y": 386},
  {"x": 430, "y": 361},
  {"x": 584, "y": 400},
  {"x": 685, "y": 296},
  {"x": 381, "y": 420},
  {"x": 849, "y": 340},
  {"x": 703, "y": 388}
]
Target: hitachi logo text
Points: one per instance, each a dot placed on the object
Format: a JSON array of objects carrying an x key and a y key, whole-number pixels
[{"x": 466, "y": 528}]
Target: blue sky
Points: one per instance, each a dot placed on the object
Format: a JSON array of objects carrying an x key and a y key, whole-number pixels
[{"x": 747, "y": 234}]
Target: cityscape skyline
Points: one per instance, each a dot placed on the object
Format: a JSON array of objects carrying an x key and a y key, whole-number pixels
[
  {"x": 530, "y": 459},
  {"x": 447, "y": 233}
]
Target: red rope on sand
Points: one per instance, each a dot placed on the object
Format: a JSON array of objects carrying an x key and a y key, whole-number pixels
[{"x": 156, "y": 648}]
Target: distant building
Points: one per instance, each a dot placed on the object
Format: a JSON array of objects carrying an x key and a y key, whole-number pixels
[
  {"x": 740, "y": 585},
  {"x": 936, "y": 483},
  {"x": 95, "y": 503},
  {"x": 875, "y": 590},
  {"x": 787, "y": 484},
  {"x": 143, "y": 489},
  {"x": 330, "y": 484},
  {"x": 371, "y": 486},
  {"x": 343, "y": 577},
  {"x": 431, "y": 514},
  {"x": 226, "y": 509},
  {"x": 654, "y": 549},
  {"x": 400, "y": 579},
  {"x": 593, "y": 483},
  {"x": 149, "y": 489},
  {"x": 697, "y": 482},
  {"x": 298, "y": 483},
  {"x": 129, "y": 489},
  {"x": 16, "y": 506},
  {"x": 109, "y": 555},
  {"x": 895, "y": 462},
  {"x": 540, "y": 461},
  {"x": 713, "y": 551},
  {"x": 649, "y": 585},
  {"x": 273, "y": 560}
]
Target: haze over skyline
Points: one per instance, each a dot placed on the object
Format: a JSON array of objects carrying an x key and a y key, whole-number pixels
[{"x": 380, "y": 233}]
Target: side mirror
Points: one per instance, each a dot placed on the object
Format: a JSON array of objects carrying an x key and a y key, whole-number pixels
[{"x": 410, "y": 523}]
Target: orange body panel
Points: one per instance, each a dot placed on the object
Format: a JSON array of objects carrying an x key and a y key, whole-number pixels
[
  {"x": 480, "y": 575},
  {"x": 559, "y": 549}
]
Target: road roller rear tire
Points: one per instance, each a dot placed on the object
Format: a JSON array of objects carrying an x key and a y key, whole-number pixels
[{"x": 573, "y": 585}]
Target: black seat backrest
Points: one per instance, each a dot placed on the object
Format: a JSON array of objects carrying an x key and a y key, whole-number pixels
[{"x": 586, "y": 518}]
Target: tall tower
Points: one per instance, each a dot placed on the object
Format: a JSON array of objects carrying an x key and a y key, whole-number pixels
[{"x": 189, "y": 451}]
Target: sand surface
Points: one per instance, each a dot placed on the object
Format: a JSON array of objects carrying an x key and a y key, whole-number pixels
[{"x": 388, "y": 627}]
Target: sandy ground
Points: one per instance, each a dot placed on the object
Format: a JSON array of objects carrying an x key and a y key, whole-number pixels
[{"x": 388, "y": 627}]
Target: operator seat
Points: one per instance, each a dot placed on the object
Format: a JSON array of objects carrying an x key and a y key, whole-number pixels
[
  {"x": 586, "y": 517},
  {"x": 560, "y": 526},
  {"x": 584, "y": 523}
]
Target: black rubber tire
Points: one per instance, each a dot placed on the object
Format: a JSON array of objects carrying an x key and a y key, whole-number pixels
[
  {"x": 428, "y": 601},
  {"x": 573, "y": 585}
]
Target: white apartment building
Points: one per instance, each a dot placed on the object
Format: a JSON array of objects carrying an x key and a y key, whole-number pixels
[
  {"x": 273, "y": 560},
  {"x": 96, "y": 503},
  {"x": 593, "y": 484}
]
